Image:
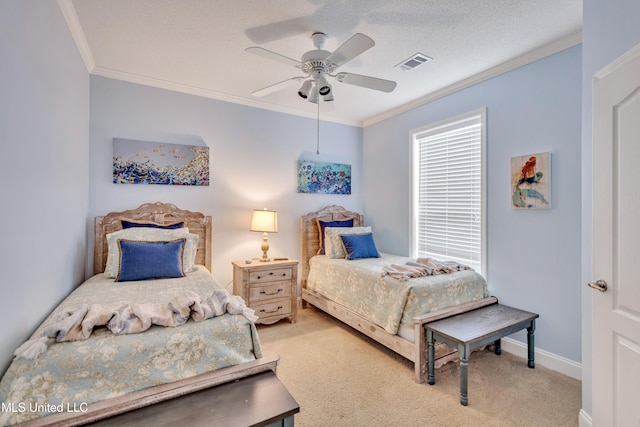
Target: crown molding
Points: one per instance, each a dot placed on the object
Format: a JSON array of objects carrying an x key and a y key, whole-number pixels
[
  {"x": 73, "y": 23},
  {"x": 207, "y": 93},
  {"x": 527, "y": 58}
]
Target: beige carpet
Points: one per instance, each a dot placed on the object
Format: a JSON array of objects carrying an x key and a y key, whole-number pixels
[{"x": 342, "y": 378}]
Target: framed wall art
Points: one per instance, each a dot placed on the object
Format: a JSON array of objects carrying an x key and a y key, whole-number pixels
[
  {"x": 322, "y": 177},
  {"x": 144, "y": 162},
  {"x": 531, "y": 181}
]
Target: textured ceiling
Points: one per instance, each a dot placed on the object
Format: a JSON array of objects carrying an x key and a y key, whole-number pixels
[{"x": 198, "y": 46}]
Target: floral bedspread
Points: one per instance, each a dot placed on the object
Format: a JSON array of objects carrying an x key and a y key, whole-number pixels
[
  {"x": 75, "y": 374},
  {"x": 387, "y": 301}
]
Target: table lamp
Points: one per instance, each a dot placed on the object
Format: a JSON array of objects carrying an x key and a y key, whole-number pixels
[{"x": 265, "y": 221}]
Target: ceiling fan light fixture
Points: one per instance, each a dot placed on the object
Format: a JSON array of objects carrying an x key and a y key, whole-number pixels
[
  {"x": 304, "y": 89},
  {"x": 324, "y": 88},
  {"x": 313, "y": 96},
  {"x": 328, "y": 97}
]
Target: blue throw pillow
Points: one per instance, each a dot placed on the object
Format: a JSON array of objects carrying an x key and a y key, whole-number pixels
[
  {"x": 132, "y": 224},
  {"x": 325, "y": 224},
  {"x": 359, "y": 246},
  {"x": 150, "y": 260}
]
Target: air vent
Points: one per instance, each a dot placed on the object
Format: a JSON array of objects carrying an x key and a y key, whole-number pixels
[{"x": 413, "y": 62}]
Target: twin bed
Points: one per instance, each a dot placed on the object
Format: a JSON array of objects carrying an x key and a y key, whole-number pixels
[
  {"x": 390, "y": 308},
  {"x": 129, "y": 341}
]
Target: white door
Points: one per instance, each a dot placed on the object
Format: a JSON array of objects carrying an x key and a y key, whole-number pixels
[{"x": 616, "y": 243}]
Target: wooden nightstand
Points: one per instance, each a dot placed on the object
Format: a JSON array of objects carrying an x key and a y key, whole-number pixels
[{"x": 269, "y": 288}]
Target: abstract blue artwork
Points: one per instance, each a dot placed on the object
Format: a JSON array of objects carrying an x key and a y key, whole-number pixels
[
  {"x": 143, "y": 162},
  {"x": 325, "y": 178}
]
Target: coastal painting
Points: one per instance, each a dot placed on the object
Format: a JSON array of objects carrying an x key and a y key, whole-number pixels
[
  {"x": 531, "y": 181},
  {"x": 144, "y": 162},
  {"x": 324, "y": 178}
]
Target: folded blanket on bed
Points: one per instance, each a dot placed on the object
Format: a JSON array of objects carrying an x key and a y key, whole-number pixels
[
  {"x": 78, "y": 323},
  {"x": 421, "y": 267},
  {"x": 403, "y": 272}
]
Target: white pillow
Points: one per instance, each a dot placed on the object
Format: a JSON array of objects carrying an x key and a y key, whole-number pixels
[
  {"x": 334, "y": 248},
  {"x": 147, "y": 234}
]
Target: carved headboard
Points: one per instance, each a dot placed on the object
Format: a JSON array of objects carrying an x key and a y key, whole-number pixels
[
  {"x": 160, "y": 213},
  {"x": 310, "y": 235}
]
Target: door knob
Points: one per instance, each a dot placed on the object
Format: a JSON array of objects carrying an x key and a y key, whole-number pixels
[{"x": 599, "y": 285}]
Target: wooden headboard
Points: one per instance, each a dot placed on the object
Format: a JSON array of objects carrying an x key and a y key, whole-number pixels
[
  {"x": 310, "y": 235},
  {"x": 160, "y": 213}
]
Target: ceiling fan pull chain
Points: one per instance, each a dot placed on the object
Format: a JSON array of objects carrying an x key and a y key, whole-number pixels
[{"x": 318, "y": 130}]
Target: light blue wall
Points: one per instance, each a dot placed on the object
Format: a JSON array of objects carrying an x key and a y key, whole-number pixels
[
  {"x": 44, "y": 133},
  {"x": 533, "y": 256},
  {"x": 610, "y": 28},
  {"x": 253, "y": 157}
]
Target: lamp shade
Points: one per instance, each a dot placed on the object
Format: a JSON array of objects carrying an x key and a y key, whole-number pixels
[{"x": 264, "y": 220}]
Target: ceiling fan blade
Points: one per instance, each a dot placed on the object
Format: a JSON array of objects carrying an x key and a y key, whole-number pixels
[
  {"x": 278, "y": 30},
  {"x": 366, "y": 81},
  {"x": 276, "y": 87},
  {"x": 272, "y": 55},
  {"x": 353, "y": 47}
]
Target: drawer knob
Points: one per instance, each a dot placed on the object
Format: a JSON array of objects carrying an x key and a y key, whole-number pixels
[
  {"x": 272, "y": 293},
  {"x": 271, "y": 311}
]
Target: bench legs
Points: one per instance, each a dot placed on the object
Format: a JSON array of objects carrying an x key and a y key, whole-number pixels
[
  {"x": 463, "y": 352},
  {"x": 531, "y": 344},
  {"x": 431, "y": 357}
]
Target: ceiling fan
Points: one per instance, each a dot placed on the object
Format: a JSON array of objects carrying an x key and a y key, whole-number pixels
[{"x": 318, "y": 64}]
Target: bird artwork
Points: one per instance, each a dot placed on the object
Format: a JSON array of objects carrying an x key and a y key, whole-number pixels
[{"x": 530, "y": 177}]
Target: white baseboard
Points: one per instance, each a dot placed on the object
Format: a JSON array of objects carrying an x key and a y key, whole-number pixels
[
  {"x": 544, "y": 358},
  {"x": 584, "y": 419}
]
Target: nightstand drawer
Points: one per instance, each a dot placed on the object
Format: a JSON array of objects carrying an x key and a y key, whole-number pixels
[
  {"x": 273, "y": 308},
  {"x": 270, "y": 275},
  {"x": 266, "y": 292}
]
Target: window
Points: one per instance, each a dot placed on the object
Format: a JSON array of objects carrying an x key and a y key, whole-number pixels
[{"x": 448, "y": 191}]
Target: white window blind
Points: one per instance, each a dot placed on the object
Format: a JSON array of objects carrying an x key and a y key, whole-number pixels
[{"x": 448, "y": 191}]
